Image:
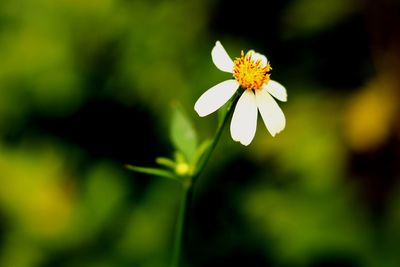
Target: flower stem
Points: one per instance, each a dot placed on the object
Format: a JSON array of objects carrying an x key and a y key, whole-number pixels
[
  {"x": 182, "y": 223},
  {"x": 214, "y": 143}
]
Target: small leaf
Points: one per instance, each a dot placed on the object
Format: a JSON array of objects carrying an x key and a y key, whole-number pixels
[
  {"x": 166, "y": 162},
  {"x": 153, "y": 171},
  {"x": 179, "y": 157},
  {"x": 183, "y": 135}
]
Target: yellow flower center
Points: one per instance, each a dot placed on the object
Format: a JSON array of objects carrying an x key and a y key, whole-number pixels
[{"x": 250, "y": 73}]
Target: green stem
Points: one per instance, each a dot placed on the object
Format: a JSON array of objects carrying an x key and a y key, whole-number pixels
[
  {"x": 182, "y": 223},
  {"x": 214, "y": 143},
  {"x": 182, "y": 226}
]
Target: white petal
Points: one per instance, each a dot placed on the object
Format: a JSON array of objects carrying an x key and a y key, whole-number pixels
[
  {"x": 221, "y": 58},
  {"x": 277, "y": 90},
  {"x": 258, "y": 56},
  {"x": 215, "y": 97},
  {"x": 271, "y": 113},
  {"x": 244, "y": 119}
]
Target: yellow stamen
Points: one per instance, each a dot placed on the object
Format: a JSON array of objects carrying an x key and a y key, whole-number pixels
[{"x": 250, "y": 74}]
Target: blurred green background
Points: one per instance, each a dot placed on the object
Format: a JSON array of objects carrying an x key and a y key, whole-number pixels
[{"x": 86, "y": 86}]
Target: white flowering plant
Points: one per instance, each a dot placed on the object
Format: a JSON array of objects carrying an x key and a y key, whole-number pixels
[{"x": 250, "y": 91}]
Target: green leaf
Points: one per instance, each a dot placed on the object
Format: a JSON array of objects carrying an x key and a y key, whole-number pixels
[
  {"x": 183, "y": 135},
  {"x": 166, "y": 162},
  {"x": 153, "y": 171},
  {"x": 179, "y": 157}
]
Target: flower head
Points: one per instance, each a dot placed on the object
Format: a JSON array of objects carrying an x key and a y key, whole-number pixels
[{"x": 251, "y": 71}]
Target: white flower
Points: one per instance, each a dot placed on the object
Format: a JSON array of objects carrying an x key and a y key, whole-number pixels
[{"x": 251, "y": 72}]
